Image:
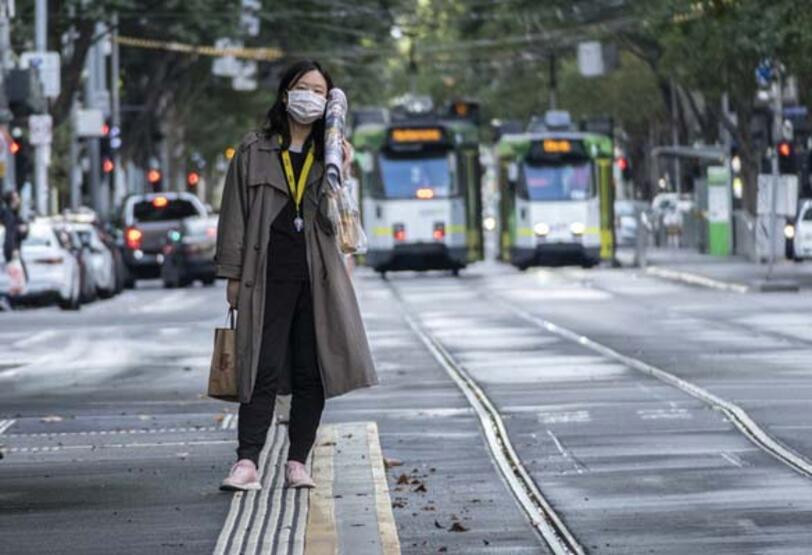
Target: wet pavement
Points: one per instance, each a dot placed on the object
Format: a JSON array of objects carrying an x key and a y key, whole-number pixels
[{"x": 111, "y": 446}]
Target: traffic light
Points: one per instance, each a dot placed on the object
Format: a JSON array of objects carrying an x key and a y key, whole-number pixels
[
  {"x": 786, "y": 158},
  {"x": 154, "y": 179},
  {"x": 108, "y": 144},
  {"x": 624, "y": 167},
  {"x": 22, "y": 161},
  {"x": 192, "y": 179}
]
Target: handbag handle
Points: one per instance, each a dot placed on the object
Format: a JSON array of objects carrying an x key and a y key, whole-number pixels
[{"x": 230, "y": 317}]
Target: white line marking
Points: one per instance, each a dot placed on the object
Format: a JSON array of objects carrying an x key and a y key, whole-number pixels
[
  {"x": 271, "y": 472},
  {"x": 36, "y": 338},
  {"x": 6, "y": 424},
  {"x": 565, "y": 453},
  {"x": 732, "y": 459}
]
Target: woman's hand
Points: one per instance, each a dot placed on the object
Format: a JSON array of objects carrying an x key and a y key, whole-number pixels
[
  {"x": 233, "y": 292},
  {"x": 347, "y": 159}
]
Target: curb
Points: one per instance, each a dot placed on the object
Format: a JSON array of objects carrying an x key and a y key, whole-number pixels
[{"x": 697, "y": 279}]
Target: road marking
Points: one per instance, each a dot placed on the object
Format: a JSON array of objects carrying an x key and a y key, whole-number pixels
[
  {"x": 738, "y": 416},
  {"x": 565, "y": 417},
  {"x": 6, "y": 424},
  {"x": 322, "y": 537},
  {"x": 387, "y": 528},
  {"x": 565, "y": 453},
  {"x": 36, "y": 338},
  {"x": 664, "y": 414},
  {"x": 542, "y": 516},
  {"x": 55, "y": 448},
  {"x": 732, "y": 459}
]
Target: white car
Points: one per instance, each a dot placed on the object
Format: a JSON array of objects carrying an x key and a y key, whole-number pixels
[
  {"x": 101, "y": 259},
  {"x": 53, "y": 272},
  {"x": 803, "y": 231}
]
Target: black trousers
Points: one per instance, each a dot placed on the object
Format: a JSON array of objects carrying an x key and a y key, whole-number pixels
[{"x": 288, "y": 341}]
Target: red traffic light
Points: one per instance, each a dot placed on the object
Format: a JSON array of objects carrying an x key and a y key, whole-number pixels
[
  {"x": 192, "y": 178},
  {"x": 105, "y": 129},
  {"x": 784, "y": 149},
  {"x": 108, "y": 165},
  {"x": 622, "y": 164},
  {"x": 14, "y": 147},
  {"x": 153, "y": 176}
]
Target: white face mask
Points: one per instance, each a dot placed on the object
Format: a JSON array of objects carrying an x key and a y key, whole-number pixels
[{"x": 305, "y": 106}]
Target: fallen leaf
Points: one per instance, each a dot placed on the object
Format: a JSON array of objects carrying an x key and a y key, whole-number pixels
[
  {"x": 438, "y": 525},
  {"x": 391, "y": 463},
  {"x": 457, "y": 527},
  {"x": 421, "y": 488},
  {"x": 403, "y": 479},
  {"x": 442, "y": 550}
]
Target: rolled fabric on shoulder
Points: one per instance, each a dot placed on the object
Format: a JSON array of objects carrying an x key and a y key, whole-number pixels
[{"x": 335, "y": 121}]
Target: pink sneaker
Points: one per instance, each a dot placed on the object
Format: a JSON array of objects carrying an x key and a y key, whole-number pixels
[
  {"x": 296, "y": 476},
  {"x": 243, "y": 477}
]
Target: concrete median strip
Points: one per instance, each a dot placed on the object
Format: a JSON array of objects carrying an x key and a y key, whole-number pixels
[{"x": 348, "y": 512}]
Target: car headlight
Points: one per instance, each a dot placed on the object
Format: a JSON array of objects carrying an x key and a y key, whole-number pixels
[
  {"x": 789, "y": 231},
  {"x": 489, "y": 223},
  {"x": 577, "y": 228},
  {"x": 541, "y": 229}
]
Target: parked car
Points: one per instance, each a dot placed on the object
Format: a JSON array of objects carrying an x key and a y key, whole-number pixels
[
  {"x": 146, "y": 220},
  {"x": 71, "y": 242},
  {"x": 108, "y": 235},
  {"x": 100, "y": 257},
  {"x": 802, "y": 242},
  {"x": 54, "y": 274},
  {"x": 188, "y": 253}
]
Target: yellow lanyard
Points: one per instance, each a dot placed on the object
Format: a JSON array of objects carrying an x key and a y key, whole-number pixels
[{"x": 297, "y": 189}]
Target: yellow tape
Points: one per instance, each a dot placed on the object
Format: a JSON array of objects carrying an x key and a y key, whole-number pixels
[
  {"x": 259, "y": 54},
  {"x": 525, "y": 232},
  {"x": 381, "y": 231}
]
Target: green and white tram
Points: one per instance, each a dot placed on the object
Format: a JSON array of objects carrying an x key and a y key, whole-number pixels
[
  {"x": 556, "y": 198},
  {"x": 420, "y": 194}
]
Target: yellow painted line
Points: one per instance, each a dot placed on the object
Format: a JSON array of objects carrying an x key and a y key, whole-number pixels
[
  {"x": 457, "y": 228},
  {"x": 381, "y": 231},
  {"x": 383, "y": 504},
  {"x": 321, "y": 537},
  {"x": 525, "y": 232}
]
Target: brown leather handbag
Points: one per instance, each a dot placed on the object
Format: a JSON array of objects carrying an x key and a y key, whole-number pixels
[{"x": 223, "y": 371}]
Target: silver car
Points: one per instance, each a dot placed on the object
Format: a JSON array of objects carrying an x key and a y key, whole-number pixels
[{"x": 101, "y": 259}]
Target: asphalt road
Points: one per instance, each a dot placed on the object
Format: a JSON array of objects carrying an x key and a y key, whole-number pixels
[{"x": 112, "y": 448}]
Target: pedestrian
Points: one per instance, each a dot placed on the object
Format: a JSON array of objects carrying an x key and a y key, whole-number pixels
[
  {"x": 16, "y": 230},
  {"x": 299, "y": 328}
]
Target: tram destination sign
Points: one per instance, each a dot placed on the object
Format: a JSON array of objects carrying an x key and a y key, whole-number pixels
[
  {"x": 556, "y": 148},
  {"x": 416, "y": 135}
]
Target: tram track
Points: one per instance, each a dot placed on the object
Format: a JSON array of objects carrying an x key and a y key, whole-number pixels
[
  {"x": 748, "y": 426},
  {"x": 547, "y": 523}
]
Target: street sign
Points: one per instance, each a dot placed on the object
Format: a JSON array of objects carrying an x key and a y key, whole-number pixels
[
  {"x": 246, "y": 79},
  {"x": 48, "y": 64},
  {"x": 719, "y": 213},
  {"x": 89, "y": 123},
  {"x": 596, "y": 58},
  {"x": 226, "y": 66},
  {"x": 40, "y": 128},
  {"x": 786, "y": 195}
]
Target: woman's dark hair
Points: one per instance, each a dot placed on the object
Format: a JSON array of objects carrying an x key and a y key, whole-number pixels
[{"x": 277, "y": 118}]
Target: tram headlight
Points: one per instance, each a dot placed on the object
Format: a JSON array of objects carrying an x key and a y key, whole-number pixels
[
  {"x": 577, "y": 228},
  {"x": 489, "y": 223},
  {"x": 789, "y": 231},
  {"x": 541, "y": 229}
]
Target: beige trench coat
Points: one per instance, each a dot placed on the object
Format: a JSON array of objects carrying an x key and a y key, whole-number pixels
[{"x": 255, "y": 192}]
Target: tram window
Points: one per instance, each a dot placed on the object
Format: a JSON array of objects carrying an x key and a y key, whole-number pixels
[
  {"x": 409, "y": 177},
  {"x": 558, "y": 182}
]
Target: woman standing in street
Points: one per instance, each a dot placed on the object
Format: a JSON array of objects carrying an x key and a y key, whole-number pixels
[{"x": 299, "y": 329}]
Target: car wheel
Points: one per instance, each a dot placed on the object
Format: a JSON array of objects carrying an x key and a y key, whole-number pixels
[{"x": 208, "y": 282}]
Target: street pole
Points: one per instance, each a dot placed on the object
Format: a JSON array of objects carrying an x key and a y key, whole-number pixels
[
  {"x": 75, "y": 171},
  {"x": 92, "y": 143},
  {"x": 553, "y": 82},
  {"x": 675, "y": 136},
  {"x": 41, "y": 151},
  {"x": 778, "y": 110},
  {"x": 115, "y": 71},
  {"x": 5, "y": 114}
]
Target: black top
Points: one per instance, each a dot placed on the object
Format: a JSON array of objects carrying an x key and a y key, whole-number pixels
[
  {"x": 287, "y": 254},
  {"x": 13, "y": 237}
]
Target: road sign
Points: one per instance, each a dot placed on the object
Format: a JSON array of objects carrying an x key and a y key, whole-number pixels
[
  {"x": 786, "y": 195},
  {"x": 48, "y": 64},
  {"x": 226, "y": 66},
  {"x": 40, "y": 127},
  {"x": 89, "y": 123}
]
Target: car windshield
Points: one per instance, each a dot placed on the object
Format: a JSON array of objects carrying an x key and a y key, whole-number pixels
[
  {"x": 558, "y": 182},
  {"x": 808, "y": 215},
  {"x": 40, "y": 236},
  {"x": 416, "y": 177},
  {"x": 174, "y": 209}
]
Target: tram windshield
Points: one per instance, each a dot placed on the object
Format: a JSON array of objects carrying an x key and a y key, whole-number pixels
[
  {"x": 549, "y": 182},
  {"x": 416, "y": 177}
]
